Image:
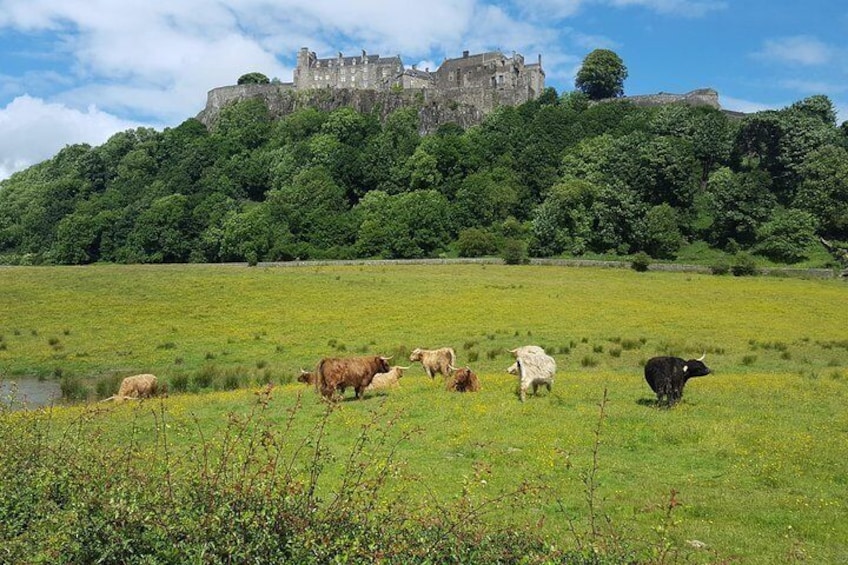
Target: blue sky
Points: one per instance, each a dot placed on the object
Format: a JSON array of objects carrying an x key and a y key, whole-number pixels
[{"x": 74, "y": 71}]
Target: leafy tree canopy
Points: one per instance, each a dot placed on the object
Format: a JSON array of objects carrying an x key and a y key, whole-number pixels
[
  {"x": 602, "y": 75},
  {"x": 253, "y": 78}
]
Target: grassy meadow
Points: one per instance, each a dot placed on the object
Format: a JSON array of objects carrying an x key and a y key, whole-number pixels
[{"x": 749, "y": 468}]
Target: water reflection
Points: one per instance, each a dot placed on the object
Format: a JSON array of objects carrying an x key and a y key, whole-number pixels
[{"x": 21, "y": 393}]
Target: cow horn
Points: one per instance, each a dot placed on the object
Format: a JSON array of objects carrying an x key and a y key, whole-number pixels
[
  {"x": 403, "y": 368},
  {"x": 386, "y": 358},
  {"x": 701, "y": 358},
  {"x": 452, "y": 368}
]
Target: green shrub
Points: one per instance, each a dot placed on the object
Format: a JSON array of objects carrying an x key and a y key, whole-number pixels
[
  {"x": 720, "y": 267},
  {"x": 514, "y": 252},
  {"x": 641, "y": 262},
  {"x": 72, "y": 388},
  {"x": 108, "y": 386},
  {"x": 476, "y": 242},
  {"x": 744, "y": 265},
  {"x": 179, "y": 382}
]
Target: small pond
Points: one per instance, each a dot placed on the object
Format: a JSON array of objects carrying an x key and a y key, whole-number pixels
[{"x": 28, "y": 392}]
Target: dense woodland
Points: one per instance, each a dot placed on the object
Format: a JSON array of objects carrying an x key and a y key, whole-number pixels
[{"x": 558, "y": 176}]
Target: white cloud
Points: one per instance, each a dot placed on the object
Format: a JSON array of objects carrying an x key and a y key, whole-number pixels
[
  {"x": 797, "y": 50},
  {"x": 685, "y": 8},
  {"x": 547, "y": 9},
  {"x": 814, "y": 86},
  {"x": 34, "y": 130},
  {"x": 562, "y": 9},
  {"x": 746, "y": 106}
]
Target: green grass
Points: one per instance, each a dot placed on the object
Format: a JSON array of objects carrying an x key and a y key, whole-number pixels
[{"x": 755, "y": 453}]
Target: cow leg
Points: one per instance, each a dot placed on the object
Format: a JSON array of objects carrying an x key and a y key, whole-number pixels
[
  {"x": 676, "y": 395},
  {"x": 523, "y": 394}
]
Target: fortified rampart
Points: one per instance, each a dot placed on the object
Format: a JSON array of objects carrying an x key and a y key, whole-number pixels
[{"x": 282, "y": 100}]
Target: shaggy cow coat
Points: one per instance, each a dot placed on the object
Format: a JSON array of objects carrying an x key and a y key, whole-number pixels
[
  {"x": 435, "y": 360},
  {"x": 463, "y": 380},
  {"x": 533, "y": 370},
  {"x": 386, "y": 380},
  {"x": 137, "y": 387},
  {"x": 527, "y": 350},
  {"x": 334, "y": 373}
]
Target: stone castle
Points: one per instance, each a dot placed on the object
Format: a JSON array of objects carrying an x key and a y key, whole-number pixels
[
  {"x": 486, "y": 80},
  {"x": 461, "y": 90}
]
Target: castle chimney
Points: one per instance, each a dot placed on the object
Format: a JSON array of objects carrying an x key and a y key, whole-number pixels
[{"x": 465, "y": 54}]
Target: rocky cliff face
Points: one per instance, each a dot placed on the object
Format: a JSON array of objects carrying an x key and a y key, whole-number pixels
[{"x": 283, "y": 99}]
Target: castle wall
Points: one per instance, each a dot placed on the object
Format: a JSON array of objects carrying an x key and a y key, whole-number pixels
[
  {"x": 284, "y": 99},
  {"x": 362, "y": 72}
]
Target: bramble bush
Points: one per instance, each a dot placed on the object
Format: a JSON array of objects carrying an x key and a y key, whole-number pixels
[{"x": 253, "y": 495}]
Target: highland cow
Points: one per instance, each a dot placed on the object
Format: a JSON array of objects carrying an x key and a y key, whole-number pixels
[
  {"x": 335, "y": 373},
  {"x": 533, "y": 370},
  {"x": 668, "y": 375},
  {"x": 463, "y": 380},
  {"x": 435, "y": 360},
  {"x": 386, "y": 380},
  {"x": 137, "y": 387}
]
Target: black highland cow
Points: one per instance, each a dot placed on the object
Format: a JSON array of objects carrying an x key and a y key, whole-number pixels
[{"x": 668, "y": 375}]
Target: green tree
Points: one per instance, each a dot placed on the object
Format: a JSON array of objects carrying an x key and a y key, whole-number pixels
[
  {"x": 739, "y": 203},
  {"x": 251, "y": 235},
  {"x": 564, "y": 221},
  {"x": 385, "y": 162},
  {"x": 824, "y": 190},
  {"x": 602, "y": 75},
  {"x": 619, "y": 219},
  {"x": 253, "y": 78},
  {"x": 244, "y": 125},
  {"x": 486, "y": 198},
  {"x": 162, "y": 233},
  {"x": 408, "y": 225},
  {"x": 787, "y": 236},
  {"x": 315, "y": 208},
  {"x": 77, "y": 240},
  {"x": 662, "y": 232}
]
